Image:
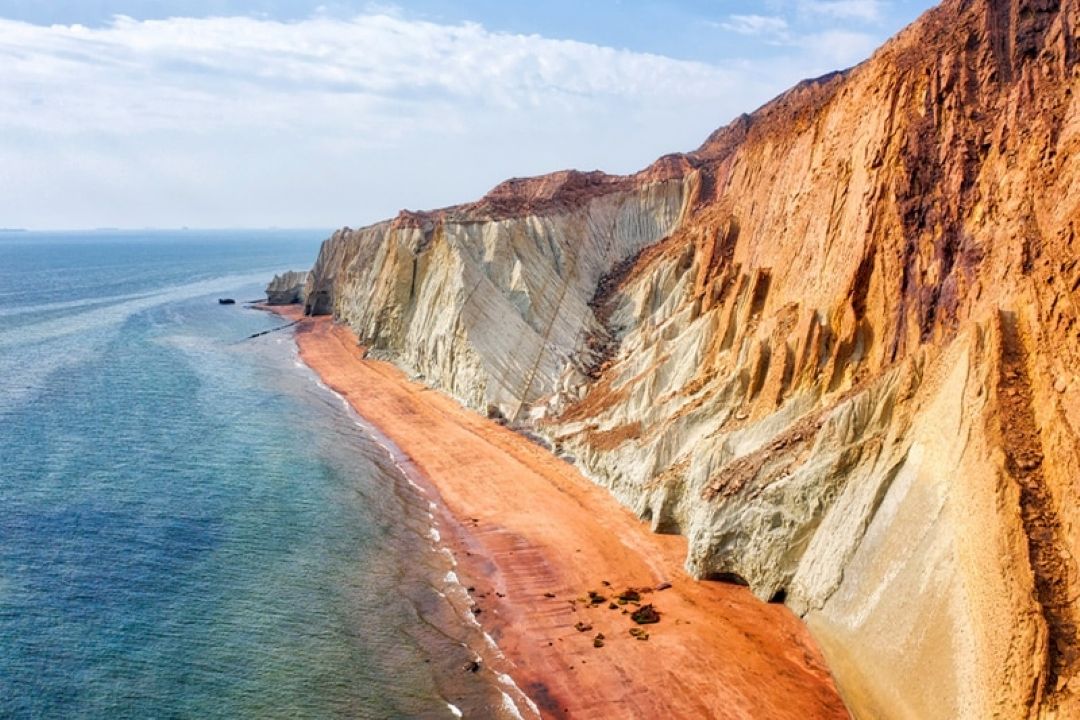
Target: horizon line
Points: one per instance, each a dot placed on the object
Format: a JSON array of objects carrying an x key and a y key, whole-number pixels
[{"x": 180, "y": 228}]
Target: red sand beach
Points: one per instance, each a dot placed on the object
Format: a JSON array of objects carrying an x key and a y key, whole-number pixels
[{"x": 532, "y": 535}]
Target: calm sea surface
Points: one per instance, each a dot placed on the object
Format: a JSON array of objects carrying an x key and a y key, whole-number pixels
[{"x": 190, "y": 525}]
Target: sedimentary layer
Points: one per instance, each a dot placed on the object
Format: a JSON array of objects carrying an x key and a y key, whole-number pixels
[{"x": 836, "y": 348}]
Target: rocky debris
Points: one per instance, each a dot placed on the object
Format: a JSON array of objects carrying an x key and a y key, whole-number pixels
[
  {"x": 582, "y": 626},
  {"x": 645, "y": 615},
  {"x": 287, "y": 288},
  {"x": 598, "y": 641},
  {"x": 663, "y": 586},
  {"x": 639, "y": 634},
  {"x": 472, "y": 666}
]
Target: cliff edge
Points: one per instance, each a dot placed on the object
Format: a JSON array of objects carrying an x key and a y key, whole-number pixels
[{"x": 836, "y": 347}]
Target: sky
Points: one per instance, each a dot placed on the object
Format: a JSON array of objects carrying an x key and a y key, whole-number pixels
[{"x": 301, "y": 113}]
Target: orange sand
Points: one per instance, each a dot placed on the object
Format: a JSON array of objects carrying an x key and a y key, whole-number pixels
[{"x": 528, "y": 524}]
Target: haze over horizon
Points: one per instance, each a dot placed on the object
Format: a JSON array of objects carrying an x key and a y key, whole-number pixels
[{"x": 295, "y": 113}]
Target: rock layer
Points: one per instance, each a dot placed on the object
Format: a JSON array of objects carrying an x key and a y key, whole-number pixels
[{"x": 836, "y": 347}]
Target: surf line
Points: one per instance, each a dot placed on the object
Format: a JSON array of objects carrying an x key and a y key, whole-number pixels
[{"x": 416, "y": 479}]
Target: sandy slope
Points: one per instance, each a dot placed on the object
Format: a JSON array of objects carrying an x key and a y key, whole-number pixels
[{"x": 528, "y": 524}]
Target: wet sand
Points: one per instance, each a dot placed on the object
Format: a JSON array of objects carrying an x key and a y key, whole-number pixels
[{"x": 527, "y": 525}]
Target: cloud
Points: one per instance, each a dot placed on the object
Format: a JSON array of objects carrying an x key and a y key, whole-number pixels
[
  {"x": 330, "y": 120},
  {"x": 214, "y": 72},
  {"x": 756, "y": 24},
  {"x": 838, "y": 48},
  {"x": 869, "y": 11}
]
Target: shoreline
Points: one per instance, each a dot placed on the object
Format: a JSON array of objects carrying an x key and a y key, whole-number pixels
[{"x": 533, "y": 537}]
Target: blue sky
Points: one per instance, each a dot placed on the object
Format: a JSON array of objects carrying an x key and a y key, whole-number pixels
[{"x": 221, "y": 113}]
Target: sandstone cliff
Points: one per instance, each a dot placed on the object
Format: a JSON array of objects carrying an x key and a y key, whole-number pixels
[
  {"x": 836, "y": 347},
  {"x": 287, "y": 288}
]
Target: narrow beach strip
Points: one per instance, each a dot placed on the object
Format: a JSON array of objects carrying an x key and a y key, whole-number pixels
[{"x": 533, "y": 538}]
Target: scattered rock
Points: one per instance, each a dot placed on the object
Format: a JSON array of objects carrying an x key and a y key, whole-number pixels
[
  {"x": 1061, "y": 386},
  {"x": 645, "y": 615},
  {"x": 549, "y": 594},
  {"x": 663, "y": 586},
  {"x": 629, "y": 595},
  {"x": 598, "y": 641},
  {"x": 472, "y": 666},
  {"x": 639, "y": 634},
  {"x": 582, "y": 626}
]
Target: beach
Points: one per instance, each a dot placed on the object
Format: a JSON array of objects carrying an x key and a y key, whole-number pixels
[{"x": 533, "y": 538}]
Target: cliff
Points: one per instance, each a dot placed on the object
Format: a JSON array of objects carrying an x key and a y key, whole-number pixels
[
  {"x": 836, "y": 347},
  {"x": 287, "y": 288}
]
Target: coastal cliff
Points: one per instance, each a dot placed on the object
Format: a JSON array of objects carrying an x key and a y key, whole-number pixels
[
  {"x": 287, "y": 288},
  {"x": 836, "y": 347}
]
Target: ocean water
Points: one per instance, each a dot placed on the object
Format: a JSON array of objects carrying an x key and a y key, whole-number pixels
[{"x": 191, "y": 526}]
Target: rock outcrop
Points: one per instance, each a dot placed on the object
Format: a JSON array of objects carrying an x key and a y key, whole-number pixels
[
  {"x": 837, "y": 347},
  {"x": 287, "y": 288}
]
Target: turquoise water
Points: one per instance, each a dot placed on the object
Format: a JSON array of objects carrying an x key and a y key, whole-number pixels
[{"x": 190, "y": 525}]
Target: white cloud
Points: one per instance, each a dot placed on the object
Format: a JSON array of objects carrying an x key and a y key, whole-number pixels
[
  {"x": 870, "y": 11},
  {"x": 838, "y": 48},
  {"x": 224, "y": 121},
  {"x": 236, "y": 72},
  {"x": 756, "y": 24}
]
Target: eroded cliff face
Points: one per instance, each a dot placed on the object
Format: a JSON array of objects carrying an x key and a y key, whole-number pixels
[
  {"x": 836, "y": 347},
  {"x": 287, "y": 288}
]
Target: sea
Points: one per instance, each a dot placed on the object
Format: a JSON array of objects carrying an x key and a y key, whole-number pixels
[{"x": 191, "y": 524}]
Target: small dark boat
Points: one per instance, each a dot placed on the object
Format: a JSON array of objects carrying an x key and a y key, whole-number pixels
[{"x": 226, "y": 301}]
